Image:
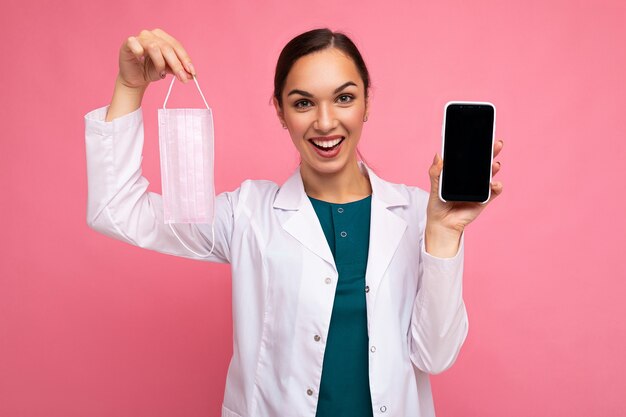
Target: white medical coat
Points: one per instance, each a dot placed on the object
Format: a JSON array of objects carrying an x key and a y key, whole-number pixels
[{"x": 284, "y": 279}]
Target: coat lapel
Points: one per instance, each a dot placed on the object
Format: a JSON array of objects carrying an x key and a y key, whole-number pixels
[
  {"x": 386, "y": 229},
  {"x": 300, "y": 219}
]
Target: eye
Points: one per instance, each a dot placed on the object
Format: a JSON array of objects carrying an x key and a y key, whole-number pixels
[
  {"x": 345, "y": 98},
  {"x": 302, "y": 104}
]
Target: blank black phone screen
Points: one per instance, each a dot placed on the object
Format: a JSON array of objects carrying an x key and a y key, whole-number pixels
[{"x": 467, "y": 152}]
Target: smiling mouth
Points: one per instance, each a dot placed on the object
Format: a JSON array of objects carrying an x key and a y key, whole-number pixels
[{"x": 327, "y": 145}]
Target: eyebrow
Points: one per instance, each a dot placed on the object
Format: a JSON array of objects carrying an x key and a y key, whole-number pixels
[{"x": 307, "y": 94}]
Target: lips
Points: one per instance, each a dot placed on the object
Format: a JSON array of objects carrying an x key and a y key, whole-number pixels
[
  {"x": 327, "y": 146},
  {"x": 327, "y": 143}
]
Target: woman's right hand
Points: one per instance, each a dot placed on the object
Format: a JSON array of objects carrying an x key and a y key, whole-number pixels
[
  {"x": 143, "y": 59},
  {"x": 150, "y": 57}
]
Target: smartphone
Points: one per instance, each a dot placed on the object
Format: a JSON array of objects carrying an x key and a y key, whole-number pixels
[{"x": 467, "y": 151}]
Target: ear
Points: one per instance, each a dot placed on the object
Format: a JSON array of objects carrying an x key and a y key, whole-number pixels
[
  {"x": 279, "y": 111},
  {"x": 367, "y": 109}
]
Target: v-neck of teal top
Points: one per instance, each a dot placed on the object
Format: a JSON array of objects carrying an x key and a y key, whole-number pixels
[{"x": 344, "y": 389}]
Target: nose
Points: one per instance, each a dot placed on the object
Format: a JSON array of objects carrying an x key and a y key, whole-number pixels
[{"x": 326, "y": 120}]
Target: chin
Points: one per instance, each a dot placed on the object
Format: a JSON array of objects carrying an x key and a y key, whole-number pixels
[{"x": 334, "y": 166}]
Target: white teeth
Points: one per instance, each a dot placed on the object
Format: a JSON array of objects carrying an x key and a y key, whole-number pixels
[{"x": 327, "y": 143}]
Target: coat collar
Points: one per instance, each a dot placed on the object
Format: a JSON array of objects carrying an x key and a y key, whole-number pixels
[{"x": 386, "y": 227}]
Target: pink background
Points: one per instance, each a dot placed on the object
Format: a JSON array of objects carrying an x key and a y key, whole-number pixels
[{"x": 93, "y": 327}]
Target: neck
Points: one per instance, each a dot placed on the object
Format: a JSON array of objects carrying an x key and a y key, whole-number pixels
[{"x": 347, "y": 185}]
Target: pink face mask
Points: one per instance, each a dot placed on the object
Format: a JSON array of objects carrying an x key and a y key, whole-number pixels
[{"x": 186, "y": 146}]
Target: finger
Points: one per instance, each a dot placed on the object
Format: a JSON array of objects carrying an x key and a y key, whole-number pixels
[
  {"x": 135, "y": 48},
  {"x": 154, "y": 63},
  {"x": 434, "y": 171},
  {"x": 495, "y": 167},
  {"x": 497, "y": 147},
  {"x": 158, "y": 69},
  {"x": 174, "y": 63},
  {"x": 496, "y": 190},
  {"x": 182, "y": 54}
]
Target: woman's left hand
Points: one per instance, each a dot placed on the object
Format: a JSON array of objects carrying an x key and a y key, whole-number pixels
[{"x": 446, "y": 221}]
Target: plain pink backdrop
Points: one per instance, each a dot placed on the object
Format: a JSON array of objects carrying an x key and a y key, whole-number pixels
[{"x": 94, "y": 327}]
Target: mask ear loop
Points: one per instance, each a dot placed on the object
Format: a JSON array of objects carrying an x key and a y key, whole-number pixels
[
  {"x": 169, "y": 91},
  {"x": 212, "y": 135}
]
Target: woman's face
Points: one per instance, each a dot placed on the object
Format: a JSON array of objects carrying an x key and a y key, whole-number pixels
[{"x": 324, "y": 106}]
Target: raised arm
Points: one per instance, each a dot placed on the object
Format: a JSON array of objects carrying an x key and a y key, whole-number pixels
[
  {"x": 119, "y": 204},
  {"x": 439, "y": 324}
]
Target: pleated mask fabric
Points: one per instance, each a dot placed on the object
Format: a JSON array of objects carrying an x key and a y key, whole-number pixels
[{"x": 186, "y": 143}]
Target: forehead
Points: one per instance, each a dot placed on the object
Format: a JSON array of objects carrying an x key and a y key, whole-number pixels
[{"x": 321, "y": 71}]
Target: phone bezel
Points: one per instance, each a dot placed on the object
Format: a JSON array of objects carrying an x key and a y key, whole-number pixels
[{"x": 443, "y": 144}]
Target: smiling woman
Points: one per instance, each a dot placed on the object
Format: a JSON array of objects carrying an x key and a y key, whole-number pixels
[{"x": 347, "y": 289}]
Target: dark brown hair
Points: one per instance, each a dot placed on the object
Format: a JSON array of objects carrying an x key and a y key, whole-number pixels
[{"x": 313, "y": 41}]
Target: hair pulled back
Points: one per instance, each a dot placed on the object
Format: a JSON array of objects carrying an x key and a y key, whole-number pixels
[{"x": 310, "y": 42}]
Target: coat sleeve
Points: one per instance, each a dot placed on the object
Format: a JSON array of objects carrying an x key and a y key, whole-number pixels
[
  {"x": 119, "y": 205},
  {"x": 439, "y": 322}
]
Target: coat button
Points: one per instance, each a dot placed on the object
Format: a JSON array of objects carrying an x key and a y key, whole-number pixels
[
  {"x": 309, "y": 392},
  {"x": 343, "y": 234},
  {"x": 340, "y": 210},
  {"x": 328, "y": 280},
  {"x": 373, "y": 349},
  {"x": 317, "y": 337},
  {"x": 383, "y": 409},
  {"x": 367, "y": 288}
]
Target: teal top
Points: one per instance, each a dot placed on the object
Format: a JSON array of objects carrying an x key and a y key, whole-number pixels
[{"x": 344, "y": 389}]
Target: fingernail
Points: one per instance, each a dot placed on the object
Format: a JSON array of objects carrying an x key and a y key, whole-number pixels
[
  {"x": 163, "y": 74},
  {"x": 182, "y": 76},
  {"x": 435, "y": 159},
  {"x": 190, "y": 68}
]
